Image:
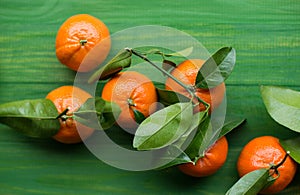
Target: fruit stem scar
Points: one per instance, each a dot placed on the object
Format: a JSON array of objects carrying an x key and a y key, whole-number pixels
[
  {"x": 189, "y": 89},
  {"x": 82, "y": 42}
]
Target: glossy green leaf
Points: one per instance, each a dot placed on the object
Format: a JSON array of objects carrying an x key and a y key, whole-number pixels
[
  {"x": 216, "y": 69},
  {"x": 231, "y": 125},
  {"x": 188, "y": 136},
  {"x": 292, "y": 145},
  {"x": 163, "y": 127},
  {"x": 283, "y": 105},
  {"x": 34, "y": 118},
  {"x": 97, "y": 113},
  {"x": 169, "y": 97},
  {"x": 201, "y": 140},
  {"x": 116, "y": 64},
  {"x": 251, "y": 183},
  {"x": 174, "y": 156}
]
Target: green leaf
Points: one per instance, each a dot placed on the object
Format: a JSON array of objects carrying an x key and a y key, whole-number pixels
[
  {"x": 216, "y": 69},
  {"x": 97, "y": 113},
  {"x": 116, "y": 64},
  {"x": 138, "y": 116},
  {"x": 183, "y": 53},
  {"x": 251, "y": 183},
  {"x": 188, "y": 136},
  {"x": 168, "y": 97},
  {"x": 173, "y": 156},
  {"x": 34, "y": 118},
  {"x": 163, "y": 127},
  {"x": 201, "y": 140},
  {"x": 231, "y": 125},
  {"x": 292, "y": 145},
  {"x": 283, "y": 105}
]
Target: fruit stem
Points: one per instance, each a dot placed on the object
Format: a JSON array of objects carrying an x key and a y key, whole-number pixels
[
  {"x": 62, "y": 115},
  {"x": 281, "y": 163},
  {"x": 189, "y": 89},
  {"x": 82, "y": 42}
]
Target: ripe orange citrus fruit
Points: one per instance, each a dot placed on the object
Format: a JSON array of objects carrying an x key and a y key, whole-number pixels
[
  {"x": 261, "y": 152},
  {"x": 210, "y": 163},
  {"x": 70, "y": 97},
  {"x": 186, "y": 72},
  {"x": 77, "y": 36},
  {"x": 131, "y": 91}
]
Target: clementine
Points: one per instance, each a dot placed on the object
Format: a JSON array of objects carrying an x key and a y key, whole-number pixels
[
  {"x": 76, "y": 38},
  {"x": 71, "y": 98},
  {"x": 186, "y": 72},
  {"x": 210, "y": 163},
  {"x": 131, "y": 91},
  {"x": 262, "y": 152}
]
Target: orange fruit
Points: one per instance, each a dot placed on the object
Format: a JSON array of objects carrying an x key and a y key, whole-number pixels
[
  {"x": 77, "y": 36},
  {"x": 131, "y": 90},
  {"x": 70, "y": 97},
  {"x": 210, "y": 163},
  {"x": 261, "y": 152},
  {"x": 186, "y": 72}
]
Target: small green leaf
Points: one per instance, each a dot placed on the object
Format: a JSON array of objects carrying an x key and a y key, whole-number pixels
[
  {"x": 251, "y": 183},
  {"x": 116, "y": 64},
  {"x": 110, "y": 113},
  {"x": 283, "y": 105},
  {"x": 97, "y": 113},
  {"x": 183, "y": 53},
  {"x": 163, "y": 127},
  {"x": 34, "y": 118},
  {"x": 138, "y": 116},
  {"x": 168, "y": 97},
  {"x": 216, "y": 69},
  {"x": 292, "y": 145},
  {"x": 231, "y": 125}
]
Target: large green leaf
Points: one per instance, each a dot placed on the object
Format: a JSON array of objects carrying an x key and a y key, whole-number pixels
[
  {"x": 201, "y": 140},
  {"x": 251, "y": 183},
  {"x": 163, "y": 127},
  {"x": 216, "y": 69},
  {"x": 116, "y": 64},
  {"x": 293, "y": 146},
  {"x": 34, "y": 118},
  {"x": 174, "y": 156},
  {"x": 283, "y": 105}
]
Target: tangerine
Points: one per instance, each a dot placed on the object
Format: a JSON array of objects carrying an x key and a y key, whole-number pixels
[
  {"x": 71, "y": 98},
  {"x": 131, "y": 91},
  {"x": 262, "y": 152},
  {"x": 76, "y": 38},
  {"x": 210, "y": 163},
  {"x": 186, "y": 72}
]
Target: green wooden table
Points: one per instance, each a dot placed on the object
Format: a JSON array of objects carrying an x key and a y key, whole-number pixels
[{"x": 265, "y": 35}]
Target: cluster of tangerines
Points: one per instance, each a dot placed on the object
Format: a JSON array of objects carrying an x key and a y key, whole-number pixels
[{"x": 133, "y": 91}]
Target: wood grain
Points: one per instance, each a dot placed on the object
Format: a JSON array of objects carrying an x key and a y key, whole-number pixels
[{"x": 265, "y": 35}]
